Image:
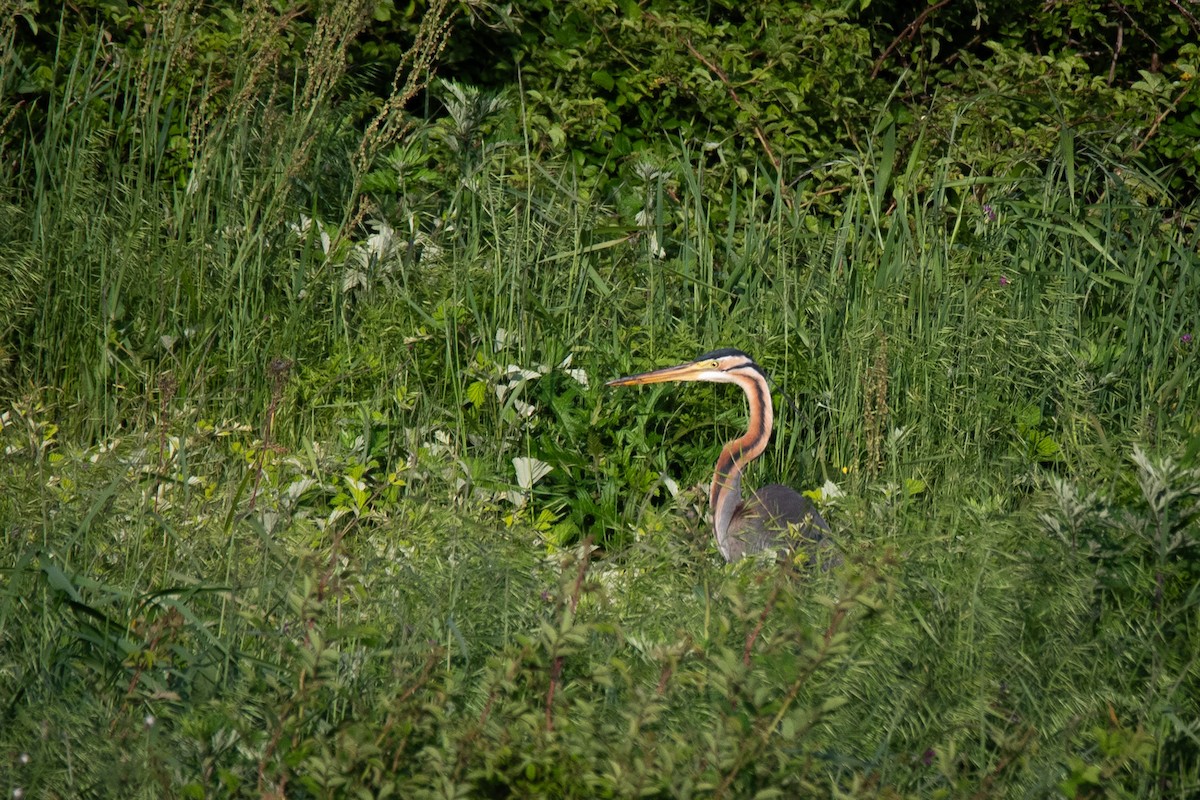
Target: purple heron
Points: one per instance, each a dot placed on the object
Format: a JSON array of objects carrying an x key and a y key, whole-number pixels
[{"x": 772, "y": 517}]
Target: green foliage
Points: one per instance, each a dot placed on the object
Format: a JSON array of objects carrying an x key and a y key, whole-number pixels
[
  {"x": 767, "y": 82},
  {"x": 311, "y": 485}
]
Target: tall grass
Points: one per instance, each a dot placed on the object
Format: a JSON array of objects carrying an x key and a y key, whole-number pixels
[
  {"x": 266, "y": 532},
  {"x": 155, "y": 186}
]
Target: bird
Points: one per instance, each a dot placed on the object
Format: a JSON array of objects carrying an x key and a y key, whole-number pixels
[{"x": 772, "y": 517}]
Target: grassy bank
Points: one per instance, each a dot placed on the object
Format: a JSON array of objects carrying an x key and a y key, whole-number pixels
[{"x": 327, "y": 498}]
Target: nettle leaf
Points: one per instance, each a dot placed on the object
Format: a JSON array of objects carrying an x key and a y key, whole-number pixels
[
  {"x": 1047, "y": 449},
  {"x": 477, "y": 393}
]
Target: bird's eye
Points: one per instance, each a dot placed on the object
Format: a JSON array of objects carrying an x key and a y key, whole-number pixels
[{"x": 714, "y": 363}]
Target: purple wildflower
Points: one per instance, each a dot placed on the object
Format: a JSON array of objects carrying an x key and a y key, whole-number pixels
[
  {"x": 989, "y": 212},
  {"x": 1004, "y": 280},
  {"x": 1186, "y": 338}
]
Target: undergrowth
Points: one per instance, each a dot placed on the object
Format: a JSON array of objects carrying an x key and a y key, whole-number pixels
[
  {"x": 311, "y": 487},
  {"x": 351, "y": 634}
]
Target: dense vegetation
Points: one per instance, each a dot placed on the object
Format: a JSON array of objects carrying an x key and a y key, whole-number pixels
[{"x": 311, "y": 487}]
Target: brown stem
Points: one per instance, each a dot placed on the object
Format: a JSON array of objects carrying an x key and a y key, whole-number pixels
[
  {"x": 573, "y": 603},
  {"x": 909, "y": 32},
  {"x": 1158, "y": 120},
  {"x": 1112, "y": 67},
  {"x": 760, "y": 741},
  {"x": 762, "y": 618},
  {"x": 985, "y": 785},
  {"x": 1187, "y": 15},
  {"x": 720, "y": 73}
]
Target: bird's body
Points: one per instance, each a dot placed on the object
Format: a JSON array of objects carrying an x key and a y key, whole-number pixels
[{"x": 772, "y": 517}]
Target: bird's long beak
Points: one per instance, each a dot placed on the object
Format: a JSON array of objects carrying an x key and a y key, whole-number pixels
[{"x": 681, "y": 372}]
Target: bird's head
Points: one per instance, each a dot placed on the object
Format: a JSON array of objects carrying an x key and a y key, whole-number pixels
[{"x": 719, "y": 366}]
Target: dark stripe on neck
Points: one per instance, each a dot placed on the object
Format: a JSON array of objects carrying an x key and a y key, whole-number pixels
[{"x": 756, "y": 435}]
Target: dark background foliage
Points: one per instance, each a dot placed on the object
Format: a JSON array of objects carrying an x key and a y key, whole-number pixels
[{"x": 782, "y": 82}]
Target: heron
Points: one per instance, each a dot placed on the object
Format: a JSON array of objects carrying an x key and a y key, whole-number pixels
[{"x": 773, "y": 516}]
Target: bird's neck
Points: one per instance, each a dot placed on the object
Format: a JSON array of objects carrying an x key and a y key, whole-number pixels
[{"x": 726, "y": 493}]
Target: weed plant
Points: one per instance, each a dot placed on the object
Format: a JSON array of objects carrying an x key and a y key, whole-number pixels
[{"x": 319, "y": 494}]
